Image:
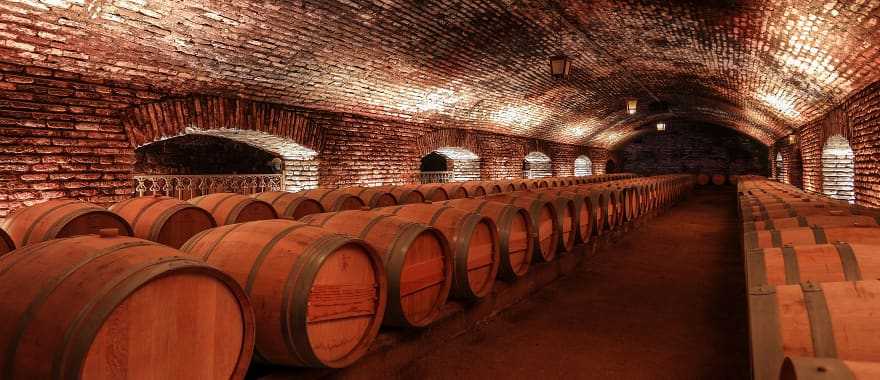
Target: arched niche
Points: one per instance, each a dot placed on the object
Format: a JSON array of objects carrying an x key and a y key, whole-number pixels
[
  {"x": 838, "y": 169},
  {"x": 583, "y": 166},
  {"x": 449, "y": 164},
  {"x": 246, "y": 161},
  {"x": 537, "y": 165},
  {"x": 610, "y": 167}
]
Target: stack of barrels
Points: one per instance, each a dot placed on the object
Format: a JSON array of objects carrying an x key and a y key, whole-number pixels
[
  {"x": 90, "y": 290},
  {"x": 812, "y": 267}
]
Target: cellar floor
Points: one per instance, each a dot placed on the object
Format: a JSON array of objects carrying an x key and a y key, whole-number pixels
[{"x": 666, "y": 302}]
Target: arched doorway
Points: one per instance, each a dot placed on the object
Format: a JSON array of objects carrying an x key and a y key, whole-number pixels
[
  {"x": 838, "y": 169},
  {"x": 449, "y": 164},
  {"x": 240, "y": 161},
  {"x": 779, "y": 167},
  {"x": 583, "y": 166},
  {"x": 537, "y": 165},
  {"x": 610, "y": 167}
]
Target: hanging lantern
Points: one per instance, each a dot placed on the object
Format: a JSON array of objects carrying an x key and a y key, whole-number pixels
[
  {"x": 560, "y": 67},
  {"x": 631, "y": 105},
  {"x": 661, "y": 127},
  {"x": 792, "y": 139}
]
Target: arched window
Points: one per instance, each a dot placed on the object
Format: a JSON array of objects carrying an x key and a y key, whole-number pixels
[
  {"x": 779, "y": 168},
  {"x": 448, "y": 164},
  {"x": 838, "y": 169},
  {"x": 583, "y": 166},
  {"x": 537, "y": 165}
]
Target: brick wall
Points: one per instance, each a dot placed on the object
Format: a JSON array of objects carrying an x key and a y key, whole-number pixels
[
  {"x": 857, "y": 119},
  {"x": 695, "y": 148},
  {"x": 63, "y": 135}
]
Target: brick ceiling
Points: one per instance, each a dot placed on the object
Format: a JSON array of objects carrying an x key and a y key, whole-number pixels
[{"x": 761, "y": 67}]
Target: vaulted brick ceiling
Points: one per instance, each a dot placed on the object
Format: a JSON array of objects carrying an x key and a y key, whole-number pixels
[{"x": 761, "y": 67}]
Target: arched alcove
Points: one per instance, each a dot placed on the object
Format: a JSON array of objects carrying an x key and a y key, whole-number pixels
[
  {"x": 583, "y": 166},
  {"x": 610, "y": 167},
  {"x": 537, "y": 165},
  {"x": 838, "y": 169},
  {"x": 449, "y": 164},
  {"x": 779, "y": 166},
  {"x": 206, "y": 161}
]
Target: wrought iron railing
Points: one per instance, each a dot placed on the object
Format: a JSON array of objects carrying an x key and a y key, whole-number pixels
[
  {"x": 189, "y": 186},
  {"x": 435, "y": 177}
]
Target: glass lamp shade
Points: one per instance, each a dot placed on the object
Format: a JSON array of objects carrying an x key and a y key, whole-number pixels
[
  {"x": 560, "y": 66},
  {"x": 631, "y": 105}
]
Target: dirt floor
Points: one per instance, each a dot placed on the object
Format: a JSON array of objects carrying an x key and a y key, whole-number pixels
[{"x": 666, "y": 302}]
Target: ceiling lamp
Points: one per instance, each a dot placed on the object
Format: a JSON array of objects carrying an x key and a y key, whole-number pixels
[
  {"x": 631, "y": 105},
  {"x": 792, "y": 139},
  {"x": 661, "y": 127},
  {"x": 560, "y": 66}
]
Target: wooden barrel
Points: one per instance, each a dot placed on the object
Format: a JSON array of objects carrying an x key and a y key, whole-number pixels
[
  {"x": 703, "y": 179},
  {"x": 815, "y": 263},
  {"x": 809, "y": 236},
  {"x": 515, "y": 233},
  {"x": 825, "y": 221},
  {"x": 6, "y": 243},
  {"x": 830, "y": 319},
  {"x": 507, "y": 186},
  {"x": 231, "y": 208},
  {"x": 112, "y": 307},
  {"x": 474, "y": 242},
  {"x": 491, "y": 188},
  {"x": 583, "y": 217},
  {"x": 477, "y": 189},
  {"x": 719, "y": 179},
  {"x": 290, "y": 205},
  {"x": 371, "y": 196},
  {"x": 417, "y": 260},
  {"x": 749, "y": 215},
  {"x": 455, "y": 190},
  {"x": 800, "y": 368},
  {"x": 165, "y": 220},
  {"x": 544, "y": 221},
  {"x": 566, "y": 213},
  {"x": 320, "y": 295},
  {"x": 734, "y": 179},
  {"x": 603, "y": 214},
  {"x": 433, "y": 192},
  {"x": 334, "y": 200},
  {"x": 60, "y": 218},
  {"x": 405, "y": 194}
]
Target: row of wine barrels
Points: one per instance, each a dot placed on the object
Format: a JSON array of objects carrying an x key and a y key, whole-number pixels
[
  {"x": 830, "y": 320},
  {"x": 109, "y": 307},
  {"x": 795, "y": 211},
  {"x": 583, "y": 212},
  {"x": 800, "y": 368},
  {"x": 6, "y": 242},
  {"x": 334, "y": 200},
  {"x": 165, "y": 220},
  {"x": 816, "y": 263},
  {"x": 290, "y": 205},
  {"x": 371, "y": 196},
  {"x": 60, "y": 218},
  {"x": 566, "y": 215},
  {"x": 544, "y": 221},
  {"x": 404, "y": 194},
  {"x": 417, "y": 260},
  {"x": 824, "y": 221},
  {"x": 515, "y": 233},
  {"x": 472, "y": 237},
  {"x": 320, "y": 295},
  {"x": 809, "y": 236},
  {"x": 231, "y": 208}
]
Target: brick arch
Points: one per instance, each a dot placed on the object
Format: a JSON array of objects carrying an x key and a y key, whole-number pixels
[
  {"x": 148, "y": 123},
  {"x": 448, "y": 137}
]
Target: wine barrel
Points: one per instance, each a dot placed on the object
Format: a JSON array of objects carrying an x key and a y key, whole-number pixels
[
  {"x": 334, "y": 200},
  {"x": 734, "y": 179},
  {"x": 371, "y": 196},
  {"x": 515, "y": 233},
  {"x": 165, "y": 220},
  {"x": 566, "y": 213},
  {"x": 455, "y": 190},
  {"x": 602, "y": 210},
  {"x": 800, "y": 368},
  {"x": 416, "y": 257},
  {"x": 477, "y": 189},
  {"x": 290, "y": 205},
  {"x": 491, "y": 188},
  {"x": 544, "y": 221},
  {"x": 825, "y": 221},
  {"x": 433, "y": 192},
  {"x": 719, "y": 179},
  {"x": 320, "y": 295},
  {"x": 404, "y": 194},
  {"x": 816, "y": 263},
  {"x": 6, "y": 243},
  {"x": 703, "y": 179},
  {"x": 815, "y": 210},
  {"x": 830, "y": 319},
  {"x": 809, "y": 236},
  {"x": 60, "y": 218},
  {"x": 474, "y": 242},
  {"x": 583, "y": 217},
  {"x": 111, "y": 307},
  {"x": 231, "y": 208}
]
